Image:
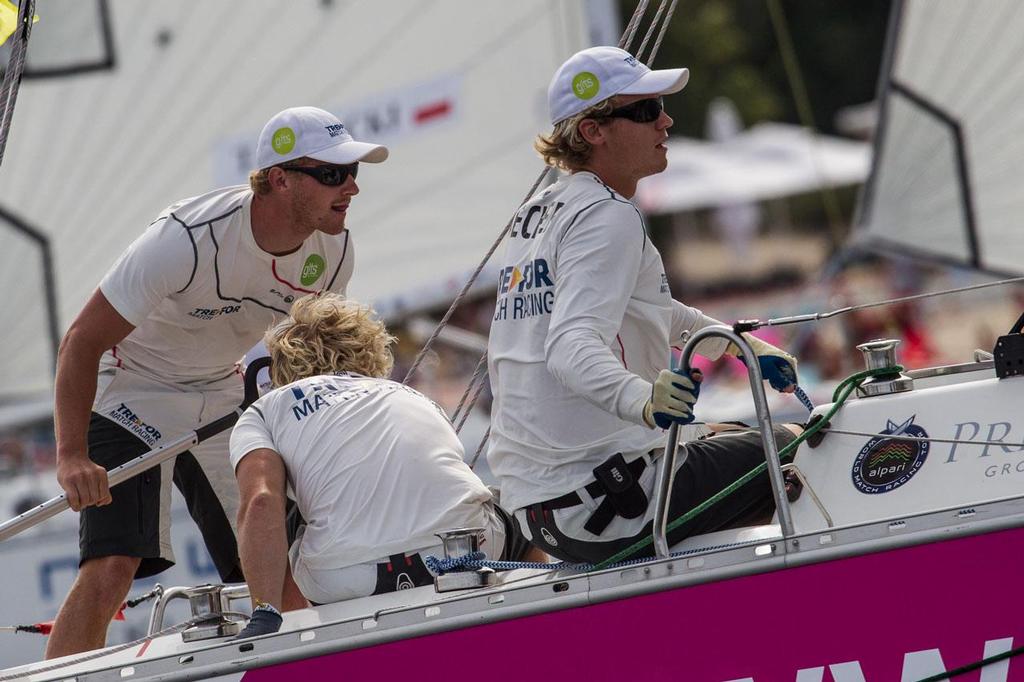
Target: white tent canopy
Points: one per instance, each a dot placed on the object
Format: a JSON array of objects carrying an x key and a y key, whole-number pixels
[{"x": 766, "y": 161}]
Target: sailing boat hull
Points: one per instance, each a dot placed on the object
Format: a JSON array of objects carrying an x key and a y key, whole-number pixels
[{"x": 901, "y": 614}]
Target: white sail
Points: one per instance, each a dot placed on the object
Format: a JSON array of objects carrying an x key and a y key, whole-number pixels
[
  {"x": 947, "y": 168},
  {"x": 456, "y": 89}
]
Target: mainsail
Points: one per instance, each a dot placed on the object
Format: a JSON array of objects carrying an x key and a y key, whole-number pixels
[
  {"x": 169, "y": 105},
  {"x": 946, "y": 177}
]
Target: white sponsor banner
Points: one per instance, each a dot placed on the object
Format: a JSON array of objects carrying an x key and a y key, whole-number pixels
[{"x": 385, "y": 118}]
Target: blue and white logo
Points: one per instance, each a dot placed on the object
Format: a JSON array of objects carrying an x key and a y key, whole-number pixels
[{"x": 885, "y": 464}]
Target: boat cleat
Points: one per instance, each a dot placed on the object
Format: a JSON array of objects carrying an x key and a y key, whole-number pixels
[
  {"x": 460, "y": 542},
  {"x": 208, "y": 608}
]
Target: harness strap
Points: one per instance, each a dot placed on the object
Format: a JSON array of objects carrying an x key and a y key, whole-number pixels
[{"x": 605, "y": 512}]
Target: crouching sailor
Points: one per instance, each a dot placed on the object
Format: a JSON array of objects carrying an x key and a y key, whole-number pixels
[
  {"x": 375, "y": 469},
  {"x": 582, "y": 329}
]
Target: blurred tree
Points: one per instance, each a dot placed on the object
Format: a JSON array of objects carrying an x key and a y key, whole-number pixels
[{"x": 732, "y": 50}]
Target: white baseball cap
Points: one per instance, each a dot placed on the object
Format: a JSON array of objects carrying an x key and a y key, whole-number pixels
[
  {"x": 593, "y": 75},
  {"x": 314, "y": 133}
]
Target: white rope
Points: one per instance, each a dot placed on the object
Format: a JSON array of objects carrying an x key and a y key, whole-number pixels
[
  {"x": 634, "y": 24},
  {"x": 102, "y": 652},
  {"x": 650, "y": 31},
  {"x": 813, "y": 317},
  {"x": 480, "y": 369},
  {"x": 924, "y": 439},
  {"x": 469, "y": 282},
  {"x": 664, "y": 28},
  {"x": 480, "y": 448},
  {"x": 480, "y": 373}
]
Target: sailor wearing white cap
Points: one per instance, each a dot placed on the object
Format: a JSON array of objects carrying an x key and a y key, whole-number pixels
[
  {"x": 154, "y": 352},
  {"x": 582, "y": 329}
]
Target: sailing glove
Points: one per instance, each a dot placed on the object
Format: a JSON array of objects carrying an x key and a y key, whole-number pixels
[
  {"x": 777, "y": 366},
  {"x": 264, "y": 620},
  {"x": 672, "y": 398}
]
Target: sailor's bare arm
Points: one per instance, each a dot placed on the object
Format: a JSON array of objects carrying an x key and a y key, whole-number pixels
[
  {"x": 262, "y": 540},
  {"x": 97, "y": 328}
]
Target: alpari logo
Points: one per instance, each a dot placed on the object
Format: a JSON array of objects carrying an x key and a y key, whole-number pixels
[
  {"x": 885, "y": 464},
  {"x": 312, "y": 269},
  {"x": 335, "y": 129},
  {"x": 404, "y": 582},
  {"x": 210, "y": 313}
]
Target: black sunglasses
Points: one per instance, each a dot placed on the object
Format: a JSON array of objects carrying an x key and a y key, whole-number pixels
[
  {"x": 641, "y": 111},
  {"x": 327, "y": 175}
]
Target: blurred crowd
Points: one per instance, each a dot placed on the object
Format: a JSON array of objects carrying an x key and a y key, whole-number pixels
[{"x": 932, "y": 331}]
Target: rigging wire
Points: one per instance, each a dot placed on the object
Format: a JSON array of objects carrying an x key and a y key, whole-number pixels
[
  {"x": 664, "y": 29},
  {"x": 650, "y": 31},
  {"x": 624, "y": 42},
  {"x": 481, "y": 368},
  {"x": 814, "y": 317},
  {"x": 633, "y": 25},
  {"x": 15, "y": 68}
]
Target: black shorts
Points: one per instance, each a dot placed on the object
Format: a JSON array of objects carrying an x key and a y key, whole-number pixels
[
  {"x": 132, "y": 524},
  {"x": 711, "y": 465}
]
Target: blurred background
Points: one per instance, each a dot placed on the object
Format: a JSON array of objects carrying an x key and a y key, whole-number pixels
[{"x": 818, "y": 160}]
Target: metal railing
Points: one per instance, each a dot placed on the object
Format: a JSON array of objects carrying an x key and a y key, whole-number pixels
[{"x": 667, "y": 466}]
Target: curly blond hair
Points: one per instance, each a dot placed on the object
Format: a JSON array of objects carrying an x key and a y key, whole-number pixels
[
  {"x": 326, "y": 333},
  {"x": 564, "y": 147}
]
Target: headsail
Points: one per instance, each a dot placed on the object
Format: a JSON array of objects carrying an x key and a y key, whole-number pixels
[
  {"x": 946, "y": 177},
  {"x": 455, "y": 89}
]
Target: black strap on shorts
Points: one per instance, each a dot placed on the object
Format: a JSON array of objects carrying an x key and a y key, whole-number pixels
[
  {"x": 615, "y": 480},
  {"x": 402, "y": 572}
]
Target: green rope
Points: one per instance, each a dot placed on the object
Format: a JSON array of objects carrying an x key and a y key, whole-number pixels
[{"x": 841, "y": 394}]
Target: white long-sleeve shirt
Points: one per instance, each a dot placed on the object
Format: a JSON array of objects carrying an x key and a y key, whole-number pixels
[{"x": 583, "y": 324}]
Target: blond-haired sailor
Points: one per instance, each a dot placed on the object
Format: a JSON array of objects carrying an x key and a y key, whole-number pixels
[
  {"x": 375, "y": 468},
  {"x": 582, "y": 328}
]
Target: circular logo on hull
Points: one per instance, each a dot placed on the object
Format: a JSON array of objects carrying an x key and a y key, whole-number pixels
[{"x": 884, "y": 464}]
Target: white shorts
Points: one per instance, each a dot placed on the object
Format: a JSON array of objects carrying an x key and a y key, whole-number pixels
[
  {"x": 325, "y": 585},
  {"x": 134, "y": 413}
]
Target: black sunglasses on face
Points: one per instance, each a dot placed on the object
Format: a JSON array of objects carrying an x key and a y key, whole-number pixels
[
  {"x": 641, "y": 111},
  {"x": 327, "y": 175}
]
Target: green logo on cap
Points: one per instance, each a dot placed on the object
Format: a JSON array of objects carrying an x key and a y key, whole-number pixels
[
  {"x": 585, "y": 85},
  {"x": 313, "y": 268},
  {"x": 283, "y": 141}
]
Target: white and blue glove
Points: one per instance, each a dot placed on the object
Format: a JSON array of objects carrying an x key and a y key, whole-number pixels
[
  {"x": 672, "y": 398},
  {"x": 778, "y": 367}
]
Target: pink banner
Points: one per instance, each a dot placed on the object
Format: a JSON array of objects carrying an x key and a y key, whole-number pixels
[{"x": 899, "y": 615}]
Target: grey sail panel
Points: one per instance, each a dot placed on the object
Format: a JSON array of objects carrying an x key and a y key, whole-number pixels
[
  {"x": 946, "y": 172},
  {"x": 456, "y": 90}
]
